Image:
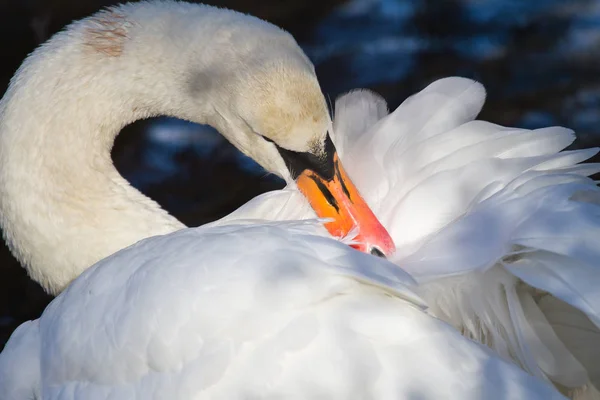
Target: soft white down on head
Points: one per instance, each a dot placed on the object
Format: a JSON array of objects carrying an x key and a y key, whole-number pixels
[{"x": 63, "y": 205}]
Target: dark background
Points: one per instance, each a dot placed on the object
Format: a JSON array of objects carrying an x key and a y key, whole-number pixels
[{"x": 539, "y": 61}]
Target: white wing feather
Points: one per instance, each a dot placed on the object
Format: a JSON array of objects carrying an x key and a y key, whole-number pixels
[
  {"x": 475, "y": 210},
  {"x": 472, "y": 206}
]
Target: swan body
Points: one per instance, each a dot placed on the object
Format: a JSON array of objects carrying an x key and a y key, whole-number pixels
[
  {"x": 247, "y": 307},
  {"x": 249, "y": 311}
]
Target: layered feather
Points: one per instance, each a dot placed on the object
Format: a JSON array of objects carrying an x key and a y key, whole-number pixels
[{"x": 486, "y": 218}]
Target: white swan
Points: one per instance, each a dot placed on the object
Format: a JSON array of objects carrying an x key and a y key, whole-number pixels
[{"x": 234, "y": 311}]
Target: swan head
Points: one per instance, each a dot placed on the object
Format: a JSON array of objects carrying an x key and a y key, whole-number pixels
[{"x": 280, "y": 119}]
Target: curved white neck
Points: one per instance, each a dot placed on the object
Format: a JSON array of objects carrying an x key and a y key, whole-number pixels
[{"x": 63, "y": 205}]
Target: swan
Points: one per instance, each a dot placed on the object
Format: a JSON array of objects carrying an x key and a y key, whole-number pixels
[{"x": 254, "y": 305}]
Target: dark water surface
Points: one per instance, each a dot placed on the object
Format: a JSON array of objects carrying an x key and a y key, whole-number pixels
[{"x": 539, "y": 61}]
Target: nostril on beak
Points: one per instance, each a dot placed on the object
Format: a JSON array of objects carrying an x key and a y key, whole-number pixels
[{"x": 376, "y": 252}]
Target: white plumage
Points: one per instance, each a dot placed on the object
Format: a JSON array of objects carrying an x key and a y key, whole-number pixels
[
  {"x": 484, "y": 200},
  {"x": 247, "y": 308},
  {"x": 475, "y": 210},
  {"x": 254, "y": 311}
]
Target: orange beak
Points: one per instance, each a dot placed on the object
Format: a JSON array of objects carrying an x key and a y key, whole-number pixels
[
  {"x": 333, "y": 196},
  {"x": 338, "y": 199}
]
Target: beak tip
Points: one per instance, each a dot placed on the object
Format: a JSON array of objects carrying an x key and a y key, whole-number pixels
[
  {"x": 377, "y": 253},
  {"x": 337, "y": 198},
  {"x": 376, "y": 244}
]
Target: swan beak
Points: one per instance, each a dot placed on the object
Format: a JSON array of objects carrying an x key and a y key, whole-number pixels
[{"x": 335, "y": 197}]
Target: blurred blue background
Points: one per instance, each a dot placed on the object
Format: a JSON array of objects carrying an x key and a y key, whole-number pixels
[{"x": 539, "y": 61}]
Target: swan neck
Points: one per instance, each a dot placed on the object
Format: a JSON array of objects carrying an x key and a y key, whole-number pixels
[{"x": 63, "y": 205}]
